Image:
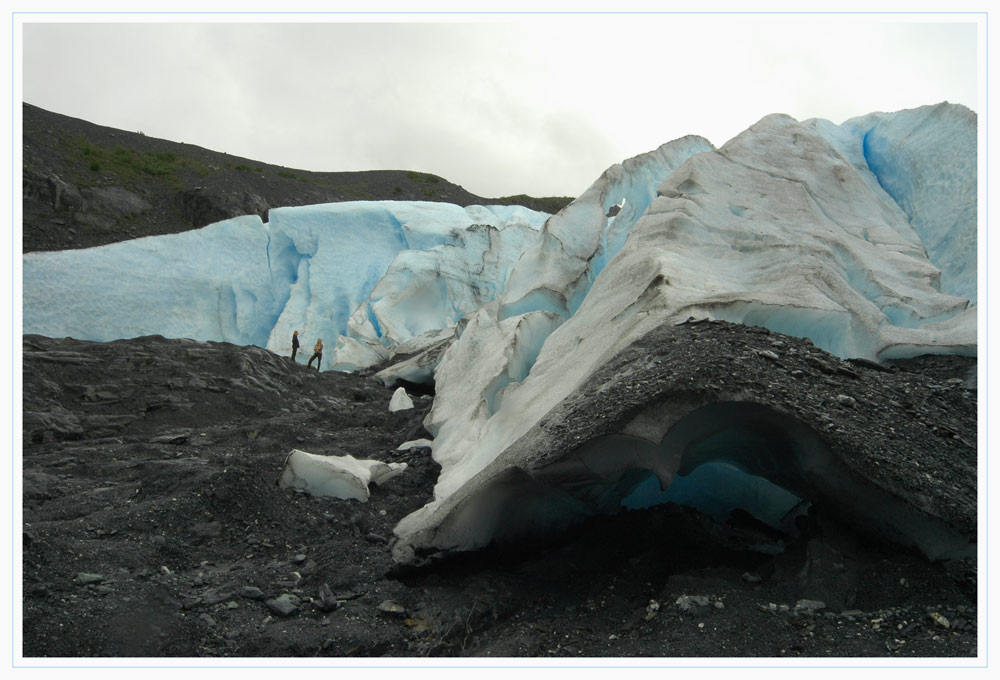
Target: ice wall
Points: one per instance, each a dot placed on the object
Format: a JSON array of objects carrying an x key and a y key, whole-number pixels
[
  {"x": 309, "y": 269},
  {"x": 211, "y": 284},
  {"x": 424, "y": 291}
]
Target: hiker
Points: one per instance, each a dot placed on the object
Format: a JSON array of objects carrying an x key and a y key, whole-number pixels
[
  {"x": 295, "y": 344},
  {"x": 317, "y": 354}
]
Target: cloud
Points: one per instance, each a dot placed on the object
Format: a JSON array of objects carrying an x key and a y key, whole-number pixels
[{"x": 532, "y": 105}]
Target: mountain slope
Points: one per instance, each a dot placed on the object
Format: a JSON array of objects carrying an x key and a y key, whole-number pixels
[{"x": 88, "y": 185}]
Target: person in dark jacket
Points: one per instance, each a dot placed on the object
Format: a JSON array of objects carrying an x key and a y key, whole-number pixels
[
  {"x": 295, "y": 344},
  {"x": 317, "y": 354}
]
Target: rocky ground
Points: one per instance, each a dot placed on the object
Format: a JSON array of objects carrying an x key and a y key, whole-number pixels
[
  {"x": 88, "y": 185},
  {"x": 153, "y": 526}
]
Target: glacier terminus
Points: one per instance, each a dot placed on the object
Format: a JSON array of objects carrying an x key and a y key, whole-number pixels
[{"x": 554, "y": 344}]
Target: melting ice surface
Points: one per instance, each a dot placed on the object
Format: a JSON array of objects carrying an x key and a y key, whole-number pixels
[{"x": 859, "y": 236}]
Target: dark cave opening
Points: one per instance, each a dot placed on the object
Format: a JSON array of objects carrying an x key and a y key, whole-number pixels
[{"x": 733, "y": 464}]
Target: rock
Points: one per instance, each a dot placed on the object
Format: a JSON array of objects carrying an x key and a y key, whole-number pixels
[
  {"x": 284, "y": 605},
  {"x": 215, "y": 596},
  {"x": 845, "y": 400},
  {"x": 55, "y": 425},
  {"x": 175, "y": 438},
  {"x": 252, "y": 593},
  {"x": 39, "y": 486},
  {"x": 390, "y": 607},
  {"x": 809, "y": 606},
  {"x": 939, "y": 619},
  {"x": 63, "y": 195},
  {"x": 114, "y": 201},
  {"x": 86, "y": 579},
  {"x": 687, "y": 603},
  {"x": 201, "y": 206},
  {"x": 751, "y": 578},
  {"x": 327, "y": 602}
]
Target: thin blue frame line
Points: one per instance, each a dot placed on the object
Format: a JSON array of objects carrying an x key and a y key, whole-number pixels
[
  {"x": 503, "y": 13},
  {"x": 13, "y": 250},
  {"x": 986, "y": 315},
  {"x": 693, "y": 665}
]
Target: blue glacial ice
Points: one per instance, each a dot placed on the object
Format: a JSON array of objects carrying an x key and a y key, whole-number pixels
[
  {"x": 308, "y": 269},
  {"x": 211, "y": 284},
  {"x": 578, "y": 242}
]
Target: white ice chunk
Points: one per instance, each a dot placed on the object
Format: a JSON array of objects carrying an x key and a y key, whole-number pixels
[
  {"x": 344, "y": 477},
  {"x": 400, "y": 401},
  {"x": 417, "y": 359},
  {"x": 415, "y": 444}
]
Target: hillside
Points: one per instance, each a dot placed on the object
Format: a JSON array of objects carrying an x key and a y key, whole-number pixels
[{"x": 88, "y": 185}]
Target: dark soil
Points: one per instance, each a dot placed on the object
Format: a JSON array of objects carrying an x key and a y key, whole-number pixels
[
  {"x": 87, "y": 185},
  {"x": 153, "y": 526}
]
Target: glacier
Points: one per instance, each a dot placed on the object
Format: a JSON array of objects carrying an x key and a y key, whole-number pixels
[
  {"x": 326, "y": 271},
  {"x": 860, "y": 237},
  {"x": 811, "y": 248}
]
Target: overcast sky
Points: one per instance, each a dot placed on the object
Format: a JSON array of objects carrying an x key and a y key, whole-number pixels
[{"x": 536, "y": 105}]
